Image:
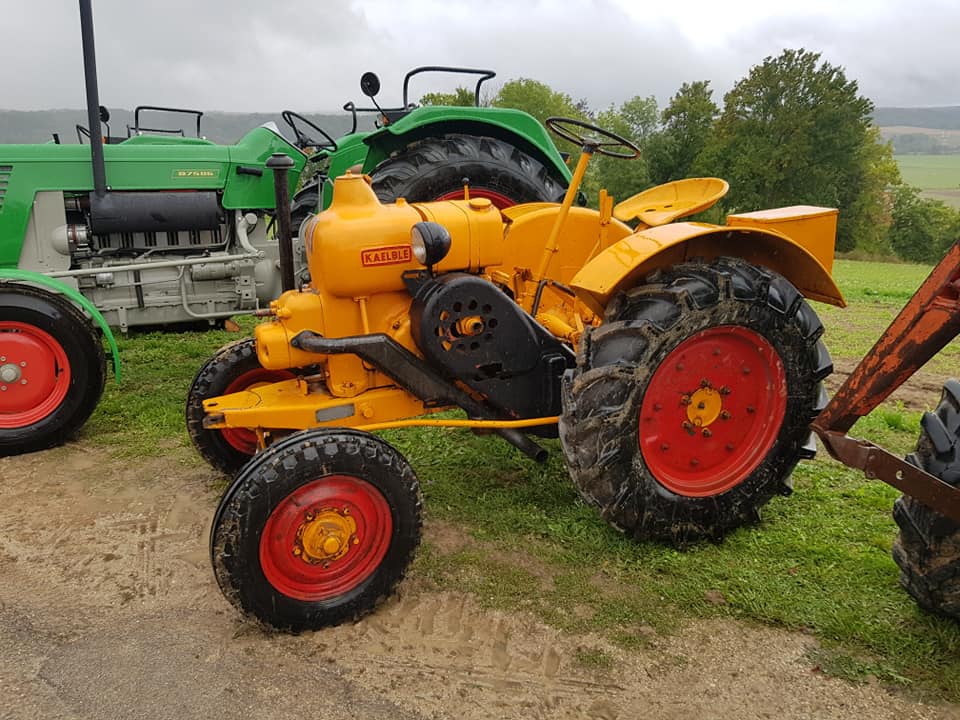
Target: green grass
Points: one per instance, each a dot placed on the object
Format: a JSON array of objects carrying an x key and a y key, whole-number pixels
[
  {"x": 818, "y": 563},
  {"x": 937, "y": 175}
]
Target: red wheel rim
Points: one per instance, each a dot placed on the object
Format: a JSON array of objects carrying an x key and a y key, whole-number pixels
[
  {"x": 500, "y": 201},
  {"x": 326, "y": 538},
  {"x": 712, "y": 411},
  {"x": 34, "y": 374},
  {"x": 244, "y": 440}
]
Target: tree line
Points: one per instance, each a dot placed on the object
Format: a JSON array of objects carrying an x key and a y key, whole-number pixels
[{"x": 794, "y": 131}]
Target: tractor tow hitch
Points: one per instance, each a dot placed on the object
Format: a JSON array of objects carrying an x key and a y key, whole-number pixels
[{"x": 878, "y": 464}]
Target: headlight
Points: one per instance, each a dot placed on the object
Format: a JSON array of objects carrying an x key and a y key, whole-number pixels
[{"x": 430, "y": 242}]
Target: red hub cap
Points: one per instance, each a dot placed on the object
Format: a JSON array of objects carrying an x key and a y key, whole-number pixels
[
  {"x": 34, "y": 374},
  {"x": 242, "y": 439},
  {"x": 712, "y": 411},
  {"x": 499, "y": 201},
  {"x": 325, "y": 538}
]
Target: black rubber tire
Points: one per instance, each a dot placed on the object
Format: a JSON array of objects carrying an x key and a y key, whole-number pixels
[
  {"x": 305, "y": 203},
  {"x": 431, "y": 168},
  {"x": 80, "y": 341},
  {"x": 599, "y": 426},
  {"x": 292, "y": 463},
  {"x": 927, "y": 550},
  {"x": 230, "y": 362}
]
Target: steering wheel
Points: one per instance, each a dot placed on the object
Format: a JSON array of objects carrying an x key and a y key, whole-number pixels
[
  {"x": 570, "y": 129},
  {"x": 304, "y": 141}
]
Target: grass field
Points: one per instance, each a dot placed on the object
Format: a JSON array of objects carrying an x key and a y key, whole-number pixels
[
  {"x": 819, "y": 562},
  {"x": 937, "y": 175}
]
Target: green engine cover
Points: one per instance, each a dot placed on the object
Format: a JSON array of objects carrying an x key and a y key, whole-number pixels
[{"x": 143, "y": 163}]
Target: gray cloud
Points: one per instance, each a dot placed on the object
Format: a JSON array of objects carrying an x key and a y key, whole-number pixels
[{"x": 245, "y": 55}]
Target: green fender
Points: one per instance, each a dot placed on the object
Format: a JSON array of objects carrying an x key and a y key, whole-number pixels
[
  {"x": 508, "y": 124},
  {"x": 76, "y": 297}
]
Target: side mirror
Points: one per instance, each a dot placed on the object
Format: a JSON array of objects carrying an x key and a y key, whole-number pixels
[
  {"x": 104, "y": 114},
  {"x": 369, "y": 84}
]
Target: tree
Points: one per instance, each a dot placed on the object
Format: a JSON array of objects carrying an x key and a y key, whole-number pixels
[
  {"x": 921, "y": 230},
  {"x": 462, "y": 97},
  {"x": 687, "y": 122},
  {"x": 794, "y": 131},
  {"x": 536, "y": 98},
  {"x": 636, "y": 120}
]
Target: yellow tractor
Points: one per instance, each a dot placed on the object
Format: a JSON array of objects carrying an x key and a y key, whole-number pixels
[{"x": 679, "y": 362}]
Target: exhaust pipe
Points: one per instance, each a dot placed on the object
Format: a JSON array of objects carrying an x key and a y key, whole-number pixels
[{"x": 93, "y": 99}]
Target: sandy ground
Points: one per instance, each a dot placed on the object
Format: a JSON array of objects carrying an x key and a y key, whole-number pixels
[{"x": 108, "y": 609}]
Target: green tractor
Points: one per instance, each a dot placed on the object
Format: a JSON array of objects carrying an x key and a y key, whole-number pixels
[{"x": 157, "y": 228}]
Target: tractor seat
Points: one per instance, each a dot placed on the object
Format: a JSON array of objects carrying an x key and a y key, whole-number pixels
[{"x": 665, "y": 203}]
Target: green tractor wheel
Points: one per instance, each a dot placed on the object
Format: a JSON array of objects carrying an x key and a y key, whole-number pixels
[
  {"x": 52, "y": 369},
  {"x": 690, "y": 406},
  {"x": 927, "y": 550},
  {"x": 435, "y": 169}
]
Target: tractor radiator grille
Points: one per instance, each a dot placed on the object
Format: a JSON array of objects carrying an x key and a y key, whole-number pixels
[
  {"x": 147, "y": 241},
  {"x": 5, "y": 172}
]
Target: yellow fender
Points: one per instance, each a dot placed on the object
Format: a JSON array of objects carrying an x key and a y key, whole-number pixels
[{"x": 625, "y": 262}]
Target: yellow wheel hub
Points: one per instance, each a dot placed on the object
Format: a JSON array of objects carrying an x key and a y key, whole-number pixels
[
  {"x": 325, "y": 535},
  {"x": 705, "y": 407}
]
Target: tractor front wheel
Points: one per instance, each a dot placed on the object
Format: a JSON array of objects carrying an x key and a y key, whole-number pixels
[
  {"x": 232, "y": 369},
  {"x": 927, "y": 550},
  {"x": 317, "y": 529},
  {"x": 689, "y": 407},
  {"x": 52, "y": 369},
  {"x": 435, "y": 169}
]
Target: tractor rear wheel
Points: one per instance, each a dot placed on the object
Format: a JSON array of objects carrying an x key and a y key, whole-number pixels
[
  {"x": 52, "y": 369},
  {"x": 927, "y": 550},
  {"x": 690, "y": 406},
  {"x": 435, "y": 169},
  {"x": 317, "y": 530},
  {"x": 233, "y": 368}
]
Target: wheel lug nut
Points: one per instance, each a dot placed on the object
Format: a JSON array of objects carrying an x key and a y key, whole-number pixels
[
  {"x": 724, "y": 390},
  {"x": 297, "y": 551},
  {"x": 688, "y": 426},
  {"x": 706, "y": 433},
  {"x": 704, "y": 383},
  {"x": 685, "y": 400},
  {"x": 724, "y": 415}
]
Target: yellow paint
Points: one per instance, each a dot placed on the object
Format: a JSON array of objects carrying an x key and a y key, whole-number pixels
[
  {"x": 812, "y": 227},
  {"x": 325, "y": 536},
  {"x": 625, "y": 262},
  {"x": 671, "y": 201},
  {"x": 288, "y": 405},
  {"x": 705, "y": 407}
]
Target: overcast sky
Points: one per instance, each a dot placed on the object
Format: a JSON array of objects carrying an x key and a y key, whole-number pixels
[{"x": 266, "y": 55}]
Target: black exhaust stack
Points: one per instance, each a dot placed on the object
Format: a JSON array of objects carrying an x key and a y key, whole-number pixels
[{"x": 93, "y": 99}]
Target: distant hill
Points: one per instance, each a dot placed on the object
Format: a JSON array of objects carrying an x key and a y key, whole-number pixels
[
  {"x": 932, "y": 118},
  {"x": 38, "y": 126}
]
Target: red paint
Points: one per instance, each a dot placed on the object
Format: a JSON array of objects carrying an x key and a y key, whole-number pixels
[
  {"x": 42, "y": 362},
  {"x": 728, "y": 357},
  {"x": 296, "y": 578},
  {"x": 387, "y": 255}
]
